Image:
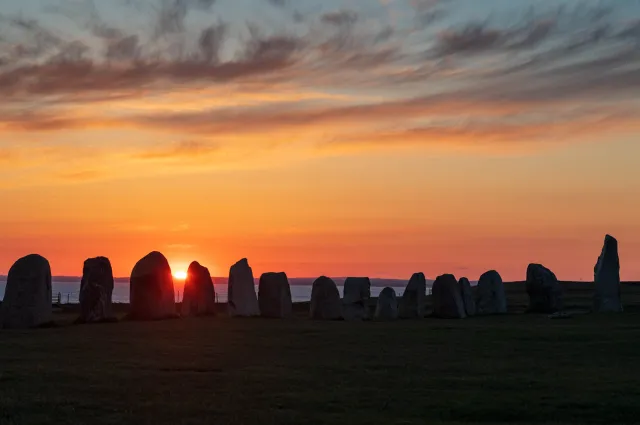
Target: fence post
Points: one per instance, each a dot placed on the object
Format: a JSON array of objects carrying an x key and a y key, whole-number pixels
[
  {"x": 59, "y": 298},
  {"x": 68, "y": 298}
]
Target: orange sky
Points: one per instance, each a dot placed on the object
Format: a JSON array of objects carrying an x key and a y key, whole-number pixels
[{"x": 351, "y": 142}]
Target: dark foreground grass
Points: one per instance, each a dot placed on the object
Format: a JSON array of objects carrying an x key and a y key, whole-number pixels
[{"x": 511, "y": 369}]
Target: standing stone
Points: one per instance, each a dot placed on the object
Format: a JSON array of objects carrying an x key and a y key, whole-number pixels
[
  {"x": 27, "y": 295},
  {"x": 151, "y": 289},
  {"x": 467, "y": 296},
  {"x": 274, "y": 296},
  {"x": 387, "y": 307},
  {"x": 607, "y": 278},
  {"x": 447, "y": 298},
  {"x": 325, "y": 300},
  {"x": 412, "y": 303},
  {"x": 545, "y": 293},
  {"x": 355, "y": 298},
  {"x": 490, "y": 295},
  {"x": 242, "y": 297},
  {"x": 199, "y": 294},
  {"x": 96, "y": 288}
]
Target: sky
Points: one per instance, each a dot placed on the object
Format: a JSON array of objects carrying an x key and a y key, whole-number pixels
[{"x": 337, "y": 137}]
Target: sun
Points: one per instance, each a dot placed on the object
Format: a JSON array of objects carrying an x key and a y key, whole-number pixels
[{"x": 180, "y": 275}]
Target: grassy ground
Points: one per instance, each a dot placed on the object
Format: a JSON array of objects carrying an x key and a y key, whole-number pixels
[{"x": 511, "y": 369}]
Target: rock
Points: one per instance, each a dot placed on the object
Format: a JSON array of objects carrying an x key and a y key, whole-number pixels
[
  {"x": 387, "y": 307},
  {"x": 242, "y": 297},
  {"x": 96, "y": 288},
  {"x": 355, "y": 298},
  {"x": 447, "y": 298},
  {"x": 606, "y": 298},
  {"x": 151, "y": 289},
  {"x": 545, "y": 293},
  {"x": 467, "y": 296},
  {"x": 325, "y": 300},
  {"x": 199, "y": 297},
  {"x": 274, "y": 296},
  {"x": 412, "y": 303},
  {"x": 27, "y": 295},
  {"x": 490, "y": 295}
]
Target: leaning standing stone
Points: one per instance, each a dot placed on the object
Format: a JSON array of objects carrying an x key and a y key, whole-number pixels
[
  {"x": 607, "y": 278},
  {"x": 545, "y": 293},
  {"x": 199, "y": 297},
  {"x": 151, "y": 289},
  {"x": 96, "y": 289},
  {"x": 242, "y": 299},
  {"x": 467, "y": 296},
  {"x": 412, "y": 303}
]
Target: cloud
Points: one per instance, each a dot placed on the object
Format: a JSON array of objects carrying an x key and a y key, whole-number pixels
[{"x": 183, "y": 150}]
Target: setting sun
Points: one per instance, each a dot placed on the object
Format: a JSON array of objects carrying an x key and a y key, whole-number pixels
[{"x": 180, "y": 275}]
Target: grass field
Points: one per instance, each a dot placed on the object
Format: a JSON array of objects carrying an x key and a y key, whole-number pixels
[{"x": 511, "y": 369}]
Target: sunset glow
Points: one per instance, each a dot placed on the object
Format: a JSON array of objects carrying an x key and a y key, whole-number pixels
[
  {"x": 180, "y": 275},
  {"x": 374, "y": 138}
]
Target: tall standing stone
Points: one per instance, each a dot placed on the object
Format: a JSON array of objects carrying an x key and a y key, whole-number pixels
[
  {"x": 447, "y": 298},
  {"x": 387, "y": 306},
  {"x": 325, "y": 300},
  {"x": 490, "y": 294},
  {"x": 355, "y": 298},
  {"x": 467, "y": 296},
  {"x": 27, "y": 295},
  {"x": 199, "y": 294},
  {"x": 151, "y": 289},
  {"x": 96, "y": 288},
  {"x": 607, "y": 278},
  {"x": 243, "y": 301},
  {"x": 545, "y": 293},
  {"x": 413, "y": 301},
  {"x": 274, "y": 296}
]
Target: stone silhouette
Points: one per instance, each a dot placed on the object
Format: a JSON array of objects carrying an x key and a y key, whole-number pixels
[
  {"x": 412, "y": 303},
  {"x": 151, "y": 289},
  {"x": 274, "y": 296},
  {"x": 490, "y": 295},
  {"x": 545, "y": 293},
  {"x": 447, "y": 298},
  {"x": 96, "y": 288},
  {"x": 199, "y": 297},
  {"x": 242, "y": 297},
  {"x": 27, "y": 295},
  {"x": 467, "y": 296},
  {"x": 355, "y": 298},
  {"x": 387, "y": 306},
  {"x": 606, "y": 298},
  {"x": 325, "y": 300}
]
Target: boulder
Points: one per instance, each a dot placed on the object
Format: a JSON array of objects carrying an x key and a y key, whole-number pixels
[
  {"x": 387, "y": 306},
  {"x": 274, "y": 296},
  {"x": 412, "y": 303},
  {"x": 447, "y": 298},
  {"x": 199, "y": 297},
  {"x": 467, "y": 296},
  {"x": 151, "y": 289},
  {"x": 355, "y": 298},
  {"x": 325, "y": 300},
  {"x": 490, "y": 295},
  {"x": 545, "y": 293},
  {"x": 27, "y": 295},
  {"x": 607, "y": 278},
  {"x": 96, "y": 288},
  {"x": 241, "y": 291}
]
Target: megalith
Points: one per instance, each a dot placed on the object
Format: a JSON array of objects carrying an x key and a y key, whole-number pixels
[
  {"x": 199, "y": 297},
  {"x": 96, "y": 288},
  {"x": 606, "y": 297},
  {"x": 274, "y": 295},
  {"x": 447, "y": 298},
  {"x": 241, "y": 292},
  {"x": 325, "y": 300},
  {"x": 151, "y": 289},
  {"x": 355, "y": 298},
  {"x": 387, "y": 306},
  {"x": 490, "y": 294},
  {"x": 545, "y": 293},
  {"x": 412, "y": 303},
  {"x": 467, "y": 296},
  {"x": 27, "y": 295}
]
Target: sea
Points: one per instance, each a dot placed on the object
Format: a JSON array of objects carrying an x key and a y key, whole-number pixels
[{"x": 67, "y": 288}]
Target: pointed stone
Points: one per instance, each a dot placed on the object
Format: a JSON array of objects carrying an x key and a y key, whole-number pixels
[
  {"x": 325, "y": 300},
  {"x": 96, "y": 288},
  {"x": 274, "y": 296},
  {"x": 152, "y": 295},
  {"x": 387, "y": 306},
  {"x": 490, "y": 294},
  {"x": 545, "y": 293},
  {"x": 199, "y": 297},
  {"x": 355, "y": 299},
  {"x": 447, "y": 298},
  {"x": 467, "y": 296},
  {"x": 243, "y": 301},
  {"x": 413, "y": 301},
  {"x": 607, "y": 279}
]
